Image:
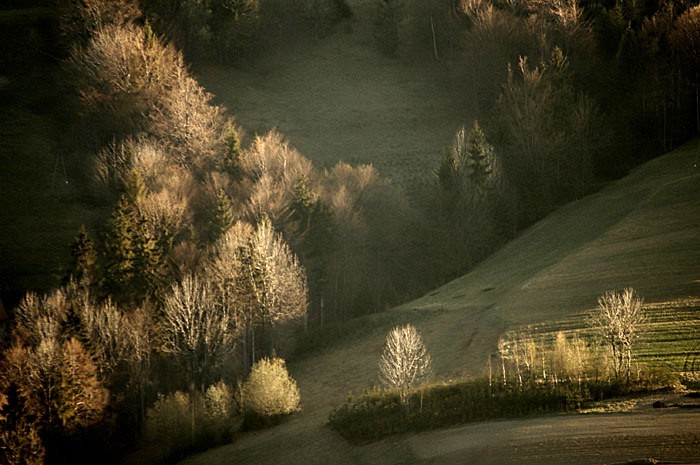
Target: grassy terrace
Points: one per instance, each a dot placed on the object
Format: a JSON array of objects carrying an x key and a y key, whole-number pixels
[{"x": 669, "y": 339}]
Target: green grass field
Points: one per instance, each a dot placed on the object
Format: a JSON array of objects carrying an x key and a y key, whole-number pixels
[{"x": 669, "y": 339}]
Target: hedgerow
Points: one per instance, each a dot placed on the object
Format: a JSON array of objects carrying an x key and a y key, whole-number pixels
[{"x": 377, "y": 414}]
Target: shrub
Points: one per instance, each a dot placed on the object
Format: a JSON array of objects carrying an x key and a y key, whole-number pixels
[
  {"x": 269, "y": 391},
  {"x": 377, "y": 414},
  {"x": 180, "y": 422}
]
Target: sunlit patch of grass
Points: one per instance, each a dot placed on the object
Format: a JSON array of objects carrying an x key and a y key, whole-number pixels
[
  {"x": 612, "y": 406},
  {"x": 668, "y": 340}
]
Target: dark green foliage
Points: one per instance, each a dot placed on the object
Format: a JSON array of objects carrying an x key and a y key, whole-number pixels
[
  {"x": 316, "y": 235},
  {"x": 223, "y": 217},
  {"x": 84, "y": 258},
  {"x": 120, "y": 248},
  {"x": 135, "y": 255},
  {"x": 468, "y": 167},
  {"x": 253, "y": 421},
  {"x": 20, "y": 442},
  {"x": 479, "y": 159},
  {"x": 233, "y": 24},
  {"x": 387, "y": 26},
  {"x": 221, "y": 29},
  {"x": 378, "y": 414},
  {"x": 232, "y": 153}
]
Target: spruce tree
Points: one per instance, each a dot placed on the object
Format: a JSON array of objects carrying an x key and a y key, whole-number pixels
[
  {"x": 479, "y": 162},
  {"x": 120, "y": 248},
  {"x": 232, "y": 153},
  {"x": 84, "y": 258},
  {"x": 223, "y": 217},
  {"x": 20, "y": 439},
  {"x": 316, "y": 238},
  {"x": 150, "y": 264}
]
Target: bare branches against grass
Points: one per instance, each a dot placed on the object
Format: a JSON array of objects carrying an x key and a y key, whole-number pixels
[{"x": 405, "y": 361}]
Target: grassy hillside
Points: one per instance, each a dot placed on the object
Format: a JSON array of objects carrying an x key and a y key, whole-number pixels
[
  {"x": 641, "y": 231},
  {"x": 39, "y": 210}
]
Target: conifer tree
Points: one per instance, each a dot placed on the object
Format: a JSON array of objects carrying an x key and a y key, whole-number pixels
[
  {"x": 135, "y": 254},
  {"x": 121, "y": 248},
  {"x": 479, "y": 161},
  {"x": 316, "y": 232},
  {"x": 20, "y": 442},
  {"x": 223, "y": 217},
  {"x": 232, "y": 153},
  {"x": 84, "y": 257},
  {"x": 151, "y": 260}
]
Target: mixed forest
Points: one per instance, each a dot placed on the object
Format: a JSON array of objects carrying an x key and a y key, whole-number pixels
[{"x": 215, "y": 255}]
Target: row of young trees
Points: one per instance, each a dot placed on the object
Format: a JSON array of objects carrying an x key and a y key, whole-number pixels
[
  {"x": 570, "y": 358},
  {"x": 615, "y": 326}
]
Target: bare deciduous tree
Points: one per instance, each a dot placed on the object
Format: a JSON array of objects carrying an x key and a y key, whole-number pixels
[
  {"x": 275, "y": 279},
  {"x": 619, "y": 317},
  {"x": 196, "y": 330},
  {"x": 405, "y": 361},
  {"x": 271, "y": 169},
  {"x": 80, "y": 19},
  {"x": 40, "y": 318}
]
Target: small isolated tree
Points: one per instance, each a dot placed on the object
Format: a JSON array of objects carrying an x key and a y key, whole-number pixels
[
  {"x": 405, "y": 361},
  {"x": 270, "y": 390},
  {"x": 619, "y": 316}
]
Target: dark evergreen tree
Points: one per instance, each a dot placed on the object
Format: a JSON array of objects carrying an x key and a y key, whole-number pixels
[
  {"x": 223, "y": 217},
  {"x": 316, "y": 240},
  {"x": 150, "y": 263},
  {"x": 232, "y": 153},
  {"x": 20, "y": 441},
  {"x": 479, "y": 162},
  {"x": 120, "y": 249},
  {"x": 84, "y": 258}
]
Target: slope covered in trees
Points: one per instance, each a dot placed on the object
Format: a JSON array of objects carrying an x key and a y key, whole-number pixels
[
  {"x": 639, "y": 231},
  {"x": 208, "y": 248}
]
